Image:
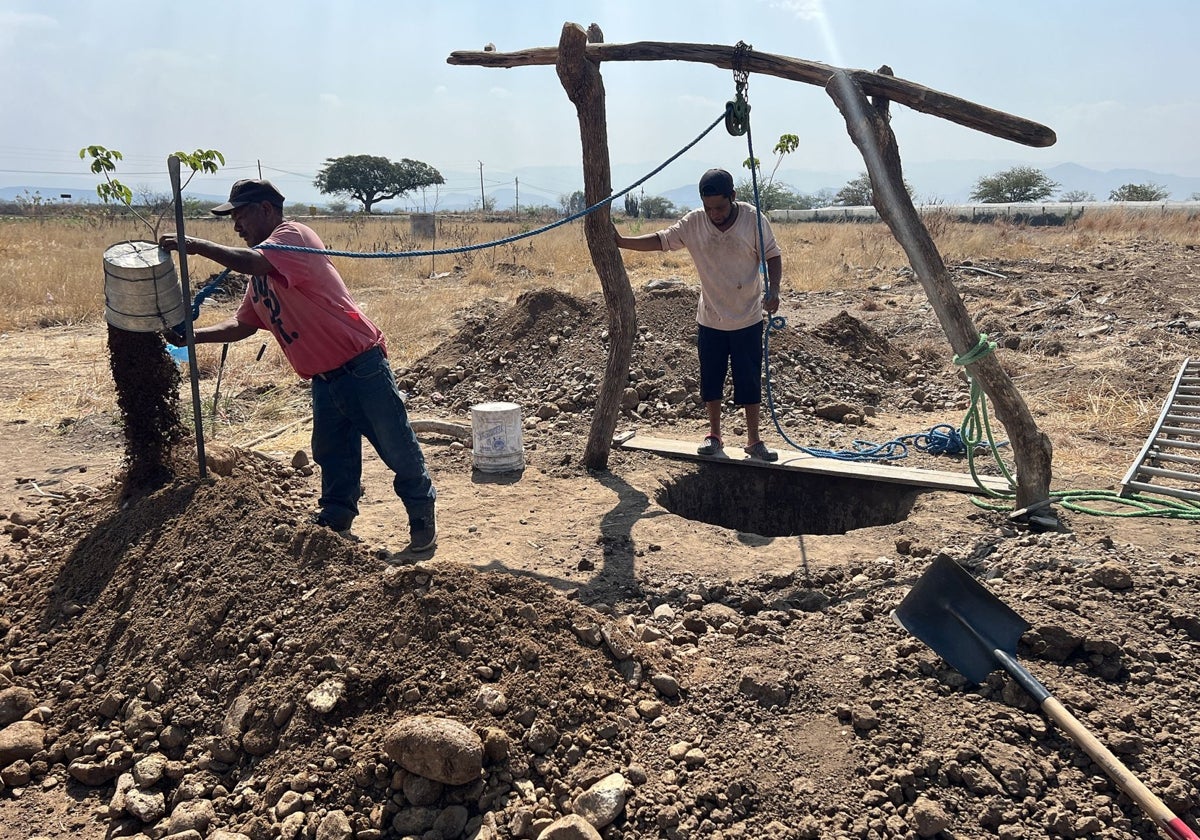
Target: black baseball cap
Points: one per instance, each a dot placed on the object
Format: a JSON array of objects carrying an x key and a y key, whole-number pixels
[
  {"x": 249, "y": 191},
  {"x": 716, "y": 182}
]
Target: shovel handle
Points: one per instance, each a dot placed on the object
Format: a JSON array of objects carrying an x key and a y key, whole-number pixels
[{"x": 1163, "y": 817}]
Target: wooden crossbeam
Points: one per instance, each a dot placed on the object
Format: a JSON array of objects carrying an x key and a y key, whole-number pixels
[{"x": 915, "y": 96}]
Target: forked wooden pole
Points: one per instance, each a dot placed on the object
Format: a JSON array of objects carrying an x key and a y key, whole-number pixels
[
  {"x": 581, "y": 80},
  {"x": 871, "y": 133}
]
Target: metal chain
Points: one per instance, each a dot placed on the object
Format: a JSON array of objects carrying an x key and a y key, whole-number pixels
[{"x": 737, "y": 111}]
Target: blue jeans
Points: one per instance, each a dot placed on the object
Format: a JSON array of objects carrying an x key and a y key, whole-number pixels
[{"x": 360, "y": 399}]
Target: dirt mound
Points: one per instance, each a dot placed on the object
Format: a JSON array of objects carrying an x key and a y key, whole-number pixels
[
  {"x": 549, "y": 348},
  {"x": 193, "y": 625}
]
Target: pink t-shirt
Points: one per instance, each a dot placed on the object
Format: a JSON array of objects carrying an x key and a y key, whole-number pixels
[
  {"x": 306, "y": 305},
  {"x": 727, "y": 262}
]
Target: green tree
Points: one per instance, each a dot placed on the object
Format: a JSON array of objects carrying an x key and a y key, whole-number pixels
[
  {"x": 104, "y": 162},
  {"x": 1139, "y": 192},
  {"x": 369, "y": 179},
  {"x": 631, "y": 205},
  {"x": 572, "y": 203},
  {"x": 1014, "y": 186},
  {"x": 858, "y": 192},
  {"x": 1074, "y": 196},
  {"x": 658, "y": 207}
]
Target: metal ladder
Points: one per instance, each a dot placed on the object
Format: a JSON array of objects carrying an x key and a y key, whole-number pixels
[{"x": 1176, "y": 434}]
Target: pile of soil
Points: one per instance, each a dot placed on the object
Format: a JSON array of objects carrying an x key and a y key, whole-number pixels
[{"x": 198, "y": 661}]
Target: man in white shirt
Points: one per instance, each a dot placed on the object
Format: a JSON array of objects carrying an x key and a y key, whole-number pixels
[{"x": 723, "y": 241}]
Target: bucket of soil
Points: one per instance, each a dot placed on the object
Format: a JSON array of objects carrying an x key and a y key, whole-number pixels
[{"x": 141, "y": 290}]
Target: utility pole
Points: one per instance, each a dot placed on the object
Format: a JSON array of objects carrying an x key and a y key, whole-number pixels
[
  {"x": 482, "y": 199},
  {"x": 517, "y": 200},
  {"x": 260, "y": 170}
]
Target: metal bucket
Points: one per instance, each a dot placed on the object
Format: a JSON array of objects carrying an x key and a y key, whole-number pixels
[
  {"x": 496, "y": 437},
  {"x": 141, "y": 291}
]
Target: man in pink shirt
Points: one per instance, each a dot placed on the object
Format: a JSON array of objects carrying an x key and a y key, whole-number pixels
[
  {"x": 302, "y": 300},
  {"x": 722, "y": 239}
]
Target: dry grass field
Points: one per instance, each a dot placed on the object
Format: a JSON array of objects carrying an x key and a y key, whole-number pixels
[{"x": 51, "y": 275}]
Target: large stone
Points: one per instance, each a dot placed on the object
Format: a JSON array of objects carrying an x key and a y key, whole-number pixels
[
  {"x": 570, "y": 827},
  {"x": 96, "y": 773},
  {"x": 195, "y": 814},
  {"x": 15, "y": 703},
  {"x": 437, "y": 748},
  {"x": 335, "y": 826},
  {"x": 20, "y": 740},
  {"x": 928, "y": 817},
  {"x": 147, "y": 806},
  {"x": 604, "y": 801}
]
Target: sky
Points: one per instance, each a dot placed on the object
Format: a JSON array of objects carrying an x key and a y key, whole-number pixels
[{"x": 287, "y": 85}]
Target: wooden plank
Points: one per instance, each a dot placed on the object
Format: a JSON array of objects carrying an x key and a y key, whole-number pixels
[{"x": 801, "y": 462}]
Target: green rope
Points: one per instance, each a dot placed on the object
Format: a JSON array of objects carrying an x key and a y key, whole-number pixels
[{"x": 976, "y": 427}]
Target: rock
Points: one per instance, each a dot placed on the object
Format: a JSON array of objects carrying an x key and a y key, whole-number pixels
[
  {"x": 414, "y": 821},
  {"x": 223, "y": 834},
  {"x": 1053, "y": 642},
  {"x": 21, "y": 740},
  {"x": 16, "y": 774},
  {"x": 300, "y": 459},
  {"x": 665, "y": 684},
  {"x": 496, "y": 744},
  {"x": 437, "y": 748},
  {"x": 15, "y": 703},
  {"x": 96, "y": 773},
  {"x": 149, "y": 771},
  {"x": 325, "y": 696},
  {"x": 1112, "y": 575},
  {"x": 335, "y": 826},
  {"x": 864, "y": 718},
  {"x": 570, "y": 827},
  {"x": 928, "y": 817},
  {"x": 220, "y": 458},
  {"x": 451, "y": 821},
  {"x": 603, "y": 802},
  {"x": 147, "y": 806},
  {"x": 421, "y": 791},
  {"x": 541, "y": 738},
  {"x": 194, "y": 815},
  {"x": 769, "y": 686},
  {"x": 1188, "y": 623},
  {"x": 832, "y": 409}
]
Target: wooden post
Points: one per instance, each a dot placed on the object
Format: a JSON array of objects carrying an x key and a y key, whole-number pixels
[
  {"x": 870, "y": 132},
  {"x": 581, "y": 80}
]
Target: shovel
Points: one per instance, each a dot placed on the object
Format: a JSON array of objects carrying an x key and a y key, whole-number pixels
[{"x": 975, "y": 632}]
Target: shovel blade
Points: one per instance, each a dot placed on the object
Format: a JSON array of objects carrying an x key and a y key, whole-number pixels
[{"x": 960, "y": 619}]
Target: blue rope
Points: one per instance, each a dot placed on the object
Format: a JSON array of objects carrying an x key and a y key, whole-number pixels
[
  {"x": 604, "y": 202},
  {"x": 206, "y": 292}
]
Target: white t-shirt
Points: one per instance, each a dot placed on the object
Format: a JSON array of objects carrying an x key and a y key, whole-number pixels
[{"x": 727, "y": 261}]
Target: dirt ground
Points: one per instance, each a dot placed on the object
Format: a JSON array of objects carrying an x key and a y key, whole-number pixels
[{"x": 200, "y": 662}]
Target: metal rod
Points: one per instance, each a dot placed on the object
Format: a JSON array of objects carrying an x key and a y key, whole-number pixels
[
  {"x": 1164, "y": 473},
  {"x": 193, "y": 370}
]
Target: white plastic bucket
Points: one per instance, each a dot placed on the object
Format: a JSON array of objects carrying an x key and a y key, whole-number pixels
[
  {"x": 141, "y": 291},
  {"x": 496, "y": 437}
]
